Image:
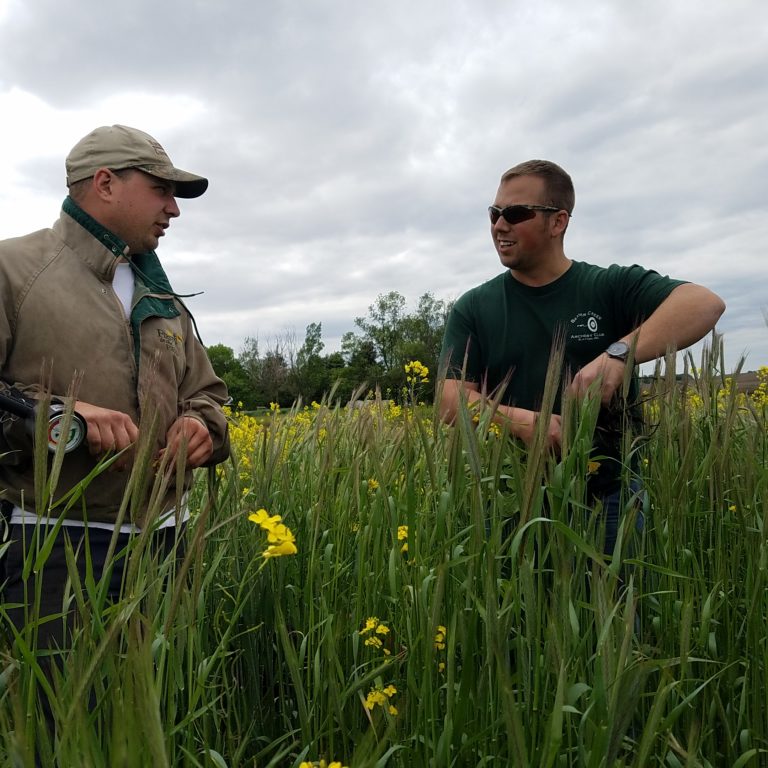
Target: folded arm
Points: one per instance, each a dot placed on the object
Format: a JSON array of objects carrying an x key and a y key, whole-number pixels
[
  {"x": 519, "y": 421},
  {"x": 688, "y": 314}
]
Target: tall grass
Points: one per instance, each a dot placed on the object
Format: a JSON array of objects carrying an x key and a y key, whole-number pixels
[{"x": 508, "y": 637}]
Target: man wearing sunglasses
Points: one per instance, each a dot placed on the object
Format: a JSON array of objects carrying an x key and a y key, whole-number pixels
[{"x": 500, "y": 335}]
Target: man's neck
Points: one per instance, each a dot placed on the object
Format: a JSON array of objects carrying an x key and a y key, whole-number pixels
[{"x": 543, "y": 274}]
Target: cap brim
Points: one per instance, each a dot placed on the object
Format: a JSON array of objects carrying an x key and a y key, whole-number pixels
[
  {"x": 193, "y": 188},
  {"x": 187, "y": 184}
]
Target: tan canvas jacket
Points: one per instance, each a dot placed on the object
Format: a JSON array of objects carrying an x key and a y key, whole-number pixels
[{"x": 58, "y": 309}]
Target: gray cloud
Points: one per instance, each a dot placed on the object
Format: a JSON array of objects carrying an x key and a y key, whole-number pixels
[{"x": 352, "y": 149}]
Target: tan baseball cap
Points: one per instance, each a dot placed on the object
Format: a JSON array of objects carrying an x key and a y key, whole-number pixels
[{"x": 118, "y": 147}]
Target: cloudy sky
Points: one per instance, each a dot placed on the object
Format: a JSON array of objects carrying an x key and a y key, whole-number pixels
[{"x": 353, "y": 147}]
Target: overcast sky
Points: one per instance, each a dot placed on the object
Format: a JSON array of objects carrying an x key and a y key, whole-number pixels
[{"x": 353, "y": 148}]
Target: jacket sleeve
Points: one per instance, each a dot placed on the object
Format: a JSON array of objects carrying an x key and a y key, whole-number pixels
[
  {"x": 15, "y": 433},
  {"x": 202, "y": 394}
]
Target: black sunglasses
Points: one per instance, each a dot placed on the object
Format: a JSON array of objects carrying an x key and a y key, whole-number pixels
[{"x": 514, "y": 214}]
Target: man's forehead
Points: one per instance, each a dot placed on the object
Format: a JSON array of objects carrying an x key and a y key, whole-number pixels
[{"x": 527, "y": 186}]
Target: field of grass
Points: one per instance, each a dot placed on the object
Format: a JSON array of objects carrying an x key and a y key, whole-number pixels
[{"x": 447, "y": 605}]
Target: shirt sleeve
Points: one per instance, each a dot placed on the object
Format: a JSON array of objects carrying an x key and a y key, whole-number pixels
[
  {"x": 639, "y": 292},
  {"x": 460, "y": 355}
]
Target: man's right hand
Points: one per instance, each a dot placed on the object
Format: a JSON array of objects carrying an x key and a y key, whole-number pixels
[
  {"x": 108, "y": 431},
  {"x": 523, "y": 425}
]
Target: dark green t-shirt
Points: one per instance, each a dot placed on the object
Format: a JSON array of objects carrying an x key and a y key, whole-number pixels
[{"x": 506, "y": 328}]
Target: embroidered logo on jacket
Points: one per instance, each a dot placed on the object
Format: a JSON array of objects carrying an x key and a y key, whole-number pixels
[{"x": 170, "y": 339}]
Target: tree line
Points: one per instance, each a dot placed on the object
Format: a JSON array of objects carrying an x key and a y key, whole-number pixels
[{"x": 375, "y": 354}]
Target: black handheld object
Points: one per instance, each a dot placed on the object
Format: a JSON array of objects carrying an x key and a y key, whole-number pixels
[{"x": 26, "y": 409}]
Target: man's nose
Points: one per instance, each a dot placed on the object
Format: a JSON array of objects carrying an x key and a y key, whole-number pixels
[
  {"x": 172, "y": 207},
  {"x": 500, "y": 223}
]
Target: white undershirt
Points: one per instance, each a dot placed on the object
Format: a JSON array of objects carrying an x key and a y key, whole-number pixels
[{"x": 123, "y": 285}]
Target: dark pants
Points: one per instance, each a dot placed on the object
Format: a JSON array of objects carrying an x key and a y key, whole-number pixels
[
  {"x": 613, "y": 508},
  {"x": 18, "y": 594},
  {"x": 54, "y": 574}
]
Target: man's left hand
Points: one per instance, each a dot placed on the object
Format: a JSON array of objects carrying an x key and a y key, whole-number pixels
[
  {"x": 197, "y": 437},
  {"x": 608, "y": 371}
]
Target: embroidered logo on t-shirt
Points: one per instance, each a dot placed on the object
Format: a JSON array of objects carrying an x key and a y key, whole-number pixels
[{"x": 585, "y": 327}]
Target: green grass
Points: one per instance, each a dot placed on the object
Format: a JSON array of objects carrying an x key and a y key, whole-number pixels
[{"x": 554, "y": 654}]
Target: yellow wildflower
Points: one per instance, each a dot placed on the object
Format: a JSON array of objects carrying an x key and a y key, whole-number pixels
[
  {"x": 440, "y": 637},
  {"x": 416, "y": 373},
  {"x": 279, "y": 537},
  {"x": 261, "y": 517},
  {"x": 592, "y": 467},
  {"x": 381, "y": 697},
  {"x": 372, "y": 484},
  {"x": 402, "y": 535},
  {"x": 376, "y": 627},
  {"x": 283, "y": 548}
]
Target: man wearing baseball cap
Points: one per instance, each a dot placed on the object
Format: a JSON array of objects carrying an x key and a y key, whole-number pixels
[{"x": 88, "y": 318}]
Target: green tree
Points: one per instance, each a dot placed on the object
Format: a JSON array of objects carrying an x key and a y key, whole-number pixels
[
  {"x": 384, "y": 327},
  {"x": 310, "y": 372},
  {"x": 229, "y": 369}
]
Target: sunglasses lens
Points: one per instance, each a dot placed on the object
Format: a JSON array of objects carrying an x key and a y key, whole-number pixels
[{"x": 514, "y": 214}]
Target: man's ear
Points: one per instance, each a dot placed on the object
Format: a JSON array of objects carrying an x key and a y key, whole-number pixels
[
  {"x": 102, "y": 183},
  {"x": 559, "y": 223}
]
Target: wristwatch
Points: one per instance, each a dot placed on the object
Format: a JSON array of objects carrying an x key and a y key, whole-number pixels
[{"x": 618, "y": 350}]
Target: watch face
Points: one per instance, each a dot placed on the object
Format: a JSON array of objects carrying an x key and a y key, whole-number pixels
[{"x": 618, "y": 349}]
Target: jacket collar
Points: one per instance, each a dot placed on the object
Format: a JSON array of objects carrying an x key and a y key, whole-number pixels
[
  {"x": 100, "y": 248},
  {"x": 94, "y": 244}
]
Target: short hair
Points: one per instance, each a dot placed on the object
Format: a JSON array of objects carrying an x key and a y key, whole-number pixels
[
  {"x": 558, "y": 186},
  {"x": 78, "y": 189}
]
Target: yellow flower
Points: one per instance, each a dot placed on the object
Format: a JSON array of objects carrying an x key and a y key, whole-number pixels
[
  {"x": 732, "y": 508},
  {"x": 279, "y": 537},
  {"x": 378, "y": 628},
  {"x": 381, "y": 697},
  {"x": 592, "y": 467},
  {"x": 440, "y": 637},
  {"x": 441, "y": 667},
  {"x": 283, "y": 548},
  {"x": 261, "y": 517},
  {"x": 394, "y": 411},
  {"x": 372, "y": 484},
  {"x": 416, "y": 373},
  {"x": 402, "y": 535}
]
